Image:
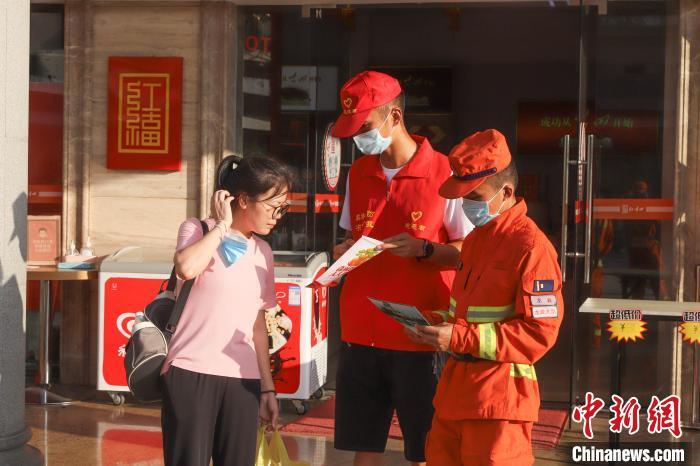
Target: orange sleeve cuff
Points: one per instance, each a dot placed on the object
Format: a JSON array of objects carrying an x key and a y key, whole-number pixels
[{"x": 465, "y": 339}]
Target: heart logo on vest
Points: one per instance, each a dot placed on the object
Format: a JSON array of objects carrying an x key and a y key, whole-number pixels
[
  {"x": 347, "y": 102},
  {"x": 415, "y": 216}
]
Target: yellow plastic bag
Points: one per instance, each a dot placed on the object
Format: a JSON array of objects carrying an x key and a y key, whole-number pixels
[
  {"x": 262, "y": 457},
  {"x": 274, "y": 453}
]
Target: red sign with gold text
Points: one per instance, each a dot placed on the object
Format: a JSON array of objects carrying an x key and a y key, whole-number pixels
[
  {"x": 145, "y": 113},
  {"x": 542, "y": 125}
]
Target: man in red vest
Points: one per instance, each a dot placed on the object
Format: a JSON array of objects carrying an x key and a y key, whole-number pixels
[
  {"x": 505, "y": 311},
  {"x": 392, "y": 195}
]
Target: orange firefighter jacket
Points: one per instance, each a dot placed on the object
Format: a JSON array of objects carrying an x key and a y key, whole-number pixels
[{"x": 506, "y": 305}]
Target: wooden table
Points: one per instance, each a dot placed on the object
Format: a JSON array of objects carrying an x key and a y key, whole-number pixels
[{"x": 40, "y": 394}]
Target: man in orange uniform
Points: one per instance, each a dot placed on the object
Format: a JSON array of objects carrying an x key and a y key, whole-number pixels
[{"x": 505, "y": 311}]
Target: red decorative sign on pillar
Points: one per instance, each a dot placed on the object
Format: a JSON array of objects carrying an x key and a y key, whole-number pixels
[{"x": 145, "y": 113}]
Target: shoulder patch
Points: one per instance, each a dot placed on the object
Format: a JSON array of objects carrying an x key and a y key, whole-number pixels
[{"x": 543, "y": 286}]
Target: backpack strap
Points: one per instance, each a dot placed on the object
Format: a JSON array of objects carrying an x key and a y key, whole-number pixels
[{"x": 184, "y": 293}]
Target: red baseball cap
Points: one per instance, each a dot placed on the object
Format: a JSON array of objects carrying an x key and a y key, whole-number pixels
[
  {"x": 359, "y": 96},
  {"x": 474, "y": 160}
]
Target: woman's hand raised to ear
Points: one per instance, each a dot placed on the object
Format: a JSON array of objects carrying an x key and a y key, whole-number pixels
[{"x": 221, "y": 206}]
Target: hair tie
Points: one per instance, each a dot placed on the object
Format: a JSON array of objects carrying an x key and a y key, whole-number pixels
[
  {"x": 236, "y": 161},
  {"x": 227, "y": 169}
]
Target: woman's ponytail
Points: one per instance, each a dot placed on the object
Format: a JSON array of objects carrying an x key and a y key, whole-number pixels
[
  {"x": 225, "y": 172},
  {"x": 253, "y": 175}
]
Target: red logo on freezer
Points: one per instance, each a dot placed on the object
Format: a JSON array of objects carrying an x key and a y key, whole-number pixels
[{"x": 125, "y": 322}]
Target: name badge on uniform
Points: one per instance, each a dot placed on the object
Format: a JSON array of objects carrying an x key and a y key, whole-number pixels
[
  {"x": 543, "y": 300},
  {"x": 543, "y": 286},
  {"x": 542, "y": 312}
]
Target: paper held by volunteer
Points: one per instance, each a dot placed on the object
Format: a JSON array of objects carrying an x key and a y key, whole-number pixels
[
  {"x": 408, "y": 316},
  {"x": 363, "y": 250}
]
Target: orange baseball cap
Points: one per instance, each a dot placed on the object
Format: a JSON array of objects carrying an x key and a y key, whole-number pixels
[
  {"x": 474, "y": 160},
  {"x": 362, "y": 93}
]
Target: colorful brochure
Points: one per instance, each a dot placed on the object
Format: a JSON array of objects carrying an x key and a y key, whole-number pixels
[{"x": 363, "y": 250}]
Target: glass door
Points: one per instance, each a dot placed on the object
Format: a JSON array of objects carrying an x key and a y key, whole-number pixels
[
  {"x": 618, "y": 213},
  {"x": 584, "y": 95}
]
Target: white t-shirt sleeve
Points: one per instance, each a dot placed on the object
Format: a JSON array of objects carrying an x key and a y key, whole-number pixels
[
  {"x": 456, "y": 223},
  {"x": 345, "y": 223}
]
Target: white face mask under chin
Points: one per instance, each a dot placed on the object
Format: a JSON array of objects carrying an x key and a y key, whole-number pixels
[{"x": 372, "y": 141}]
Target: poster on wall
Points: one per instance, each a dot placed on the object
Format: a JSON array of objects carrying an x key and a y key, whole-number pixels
[
  {"x": 309, "y": 88},
  {"x": 43, "y": 239},
  {"x": 144, "y": 113}
]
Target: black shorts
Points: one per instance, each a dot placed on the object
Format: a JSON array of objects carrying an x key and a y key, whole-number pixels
[{"x": 371, "y": 384}]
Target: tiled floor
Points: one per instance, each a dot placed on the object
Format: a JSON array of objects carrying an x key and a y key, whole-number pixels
[{"x": 95, "y": 432}]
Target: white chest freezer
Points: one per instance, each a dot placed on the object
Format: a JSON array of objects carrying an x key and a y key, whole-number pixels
[{"x": 298, "y": 326}]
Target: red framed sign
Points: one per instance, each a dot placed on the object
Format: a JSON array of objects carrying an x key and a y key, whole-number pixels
[{"x": 145, "y": 113}]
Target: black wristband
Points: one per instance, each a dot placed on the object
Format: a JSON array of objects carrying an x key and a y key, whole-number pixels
[
  {"x": 428, "y": 250},
  {"x": 262, "y": 392}
]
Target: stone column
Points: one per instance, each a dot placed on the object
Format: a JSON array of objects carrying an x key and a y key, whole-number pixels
[
  {"x": 687, "y": 215},
  {"x": 14, "y": 102},
  {"x": 217, "y": 91}
]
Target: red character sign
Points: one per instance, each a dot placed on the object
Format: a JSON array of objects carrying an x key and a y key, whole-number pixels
[{"x": 145, "y": 113}]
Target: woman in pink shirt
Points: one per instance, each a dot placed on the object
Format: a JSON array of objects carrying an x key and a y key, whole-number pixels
[{"x": 216, "y": 379}]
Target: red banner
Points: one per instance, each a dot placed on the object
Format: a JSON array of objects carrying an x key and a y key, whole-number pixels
[
  {"x": 633, "y": 209},
  {"x": 145, "y": 113}
]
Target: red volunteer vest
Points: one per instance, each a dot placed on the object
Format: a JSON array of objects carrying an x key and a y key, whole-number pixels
[{"x": 411, "y": 204}]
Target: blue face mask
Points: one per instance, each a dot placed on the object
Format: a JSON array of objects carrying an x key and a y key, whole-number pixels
[
  {"x": 372, "y": 142},
  {"x": 478, "y": 211},
  {"x": 232, "y": 248}
]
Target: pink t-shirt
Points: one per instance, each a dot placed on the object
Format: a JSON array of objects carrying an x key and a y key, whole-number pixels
[{"x": 215, "y": 332}]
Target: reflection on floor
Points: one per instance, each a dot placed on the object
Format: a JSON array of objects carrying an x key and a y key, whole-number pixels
[{"x": 97, "y": 433}]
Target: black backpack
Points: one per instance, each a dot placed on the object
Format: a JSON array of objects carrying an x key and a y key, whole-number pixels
[{"x": 148, "y": 346}]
